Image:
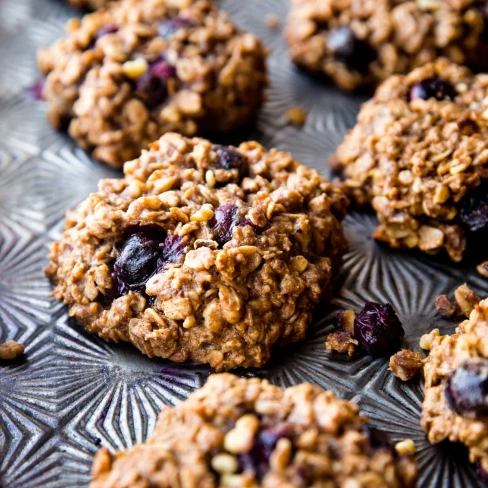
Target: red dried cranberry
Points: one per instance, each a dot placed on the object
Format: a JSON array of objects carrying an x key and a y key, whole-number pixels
[
  {"x": 224, "y": 222},
  {"x": 473, "y": 209},
  {"x": 257, "y": 460},
  {"x": 349, "y": 50},
  {"x": 151, "y": 87},
  {"x": 138, "y": 259},
  {"x": 433, "y": 88},
  {"x": 173, "y": 249},
  {"x": 466, "y": 389},
  {"x": 378, "y": 329},
  {"x": 229, "y": 159},
  {"x": 35, "y": 90},
  {"x": 169, "y": 27}
]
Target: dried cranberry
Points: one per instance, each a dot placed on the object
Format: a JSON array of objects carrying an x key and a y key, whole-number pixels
[
  {"x": 231, "y": 159},
  {"x": 473, "y": 209},
  {"x": 349, "y": 50},
  {"x": 151, "y": 86},
  {"x": 173, "y": 249},
  {"x": 433, "y": 88},
  {"x": 169, "y": 27},
  {"x": 378, "y": 329},
  {"x": 466, "y": 389},
  {"x": 257, "y": 460},
  {"x": 138, "y": 259},
  {"x": 106, "y": 29},
  {"x": 224, "y": 222},
  {"x": 35, "y": 90}
]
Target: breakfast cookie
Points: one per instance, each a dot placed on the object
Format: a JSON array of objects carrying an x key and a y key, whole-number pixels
[
  {"x": 135, "y": 70},
  {"x": 238, "y": 432},
  {"x": 363, "y": 42},
  {"x": 202, "y": 252},
  {"x": 456, "y": 387},
  {"x": 419, "y": 155}
]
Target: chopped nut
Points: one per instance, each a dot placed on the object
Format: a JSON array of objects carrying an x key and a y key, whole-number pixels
[
  {"x": 296, "y": 116},
  {"x": 135, "y": 68},
  {"x": 406, "y": 364},
  {"x": 241, "y": 438},
  {"x": 272, "y": 21},
  {"x": 11, "y": 350},
  {"x": 341, "y": 341},
  {"x": 466, "y": 300},
  {"x": 444, "y": 306},
  {"x": 426, "y": 340},
  {"x": 345, "y": 320},
  {"x": 431, "y": 238},
  {"x": 405, "y": 447},
  {"x": 224, "y": 463},
  {"x": 483, "y": 269}
]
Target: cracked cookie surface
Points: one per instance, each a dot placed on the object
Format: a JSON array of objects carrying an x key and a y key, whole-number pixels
[
  {"x": 238, "y": 432},
  {"x": 202, "y": 252},
  {"x": 456, "y": 387},
  {"x": 132, "y": 71},
  {"x": 419, "y": 155},
  {"x": 363, "y": 42}
]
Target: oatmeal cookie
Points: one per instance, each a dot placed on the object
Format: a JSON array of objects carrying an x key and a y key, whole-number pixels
[
  {"x": 135, "y": 70},
  {"x": 202, "y": 252},
  {"x": 89, "y": 4},
  {"x": 419, "y": 155},
  {"x": 362, "y": 42},
  {"x": 238, "y": 432},
  {"x": 456, "y": 387}
]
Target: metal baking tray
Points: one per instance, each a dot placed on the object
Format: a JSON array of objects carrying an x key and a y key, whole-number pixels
[{"x": 72, "y": 392}]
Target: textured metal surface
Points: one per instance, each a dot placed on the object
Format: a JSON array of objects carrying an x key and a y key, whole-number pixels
[{"x": 73, "y": 392}]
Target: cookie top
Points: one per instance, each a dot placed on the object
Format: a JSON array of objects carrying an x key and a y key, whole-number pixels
[
  {"x": 202, "y": 252},
  {"x": 248, "y": 433},
  {"x": 363, "y": 42},
  {"x": 418, "y": 153},
  {"x": 456, "y": 387},
  {"x": 132, "y": 71}
]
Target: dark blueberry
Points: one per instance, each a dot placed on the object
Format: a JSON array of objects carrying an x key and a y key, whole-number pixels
[
  {"x": 231, "y": 159},
  {"x": 473, "y": 209},
  {"x": 151, "y": 86},
  {"x": 168, "y": 28},
  {"x": 467, "y": 389},
  {"x": 433, "y": 88},
  {"x": 257, "y": 460},
  {"x": 106, "y": 29},
  {"x": 378, "y": 439},
  {"x": 138, "y": 259},
  {"x": 349, "y": 50},
  {"x": 378, "y": 329},
  {"x": 173, "y": 249},
  {"x": 224, "y": 222},
  {"x": 35, "y": 90}
]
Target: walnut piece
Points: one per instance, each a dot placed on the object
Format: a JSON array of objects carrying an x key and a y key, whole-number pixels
[
  {"x": 341, "y": 341},
  {"x": 10, "y": 350},
  {"x": 406, "y": 364},
  {"x": 444, "y": 306},
  {"x": 466, "y": 300}
]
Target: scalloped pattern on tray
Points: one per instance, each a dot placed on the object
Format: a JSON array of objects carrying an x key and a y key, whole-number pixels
[{"x": 72, "y": 392}]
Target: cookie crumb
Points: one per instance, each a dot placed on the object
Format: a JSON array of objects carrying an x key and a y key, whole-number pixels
[
  {"x": 10, "y": 350},
  {"x": 345, "y": 320},
  {"x": 406, "y": 364},
  {"x": 444, "y": 306},
  {"x": 272, "y": 21},
  {"x": 406, "y": 446},
  {"x": 483, "y": 269},
  {"x": 426, "y": 340},
  {"x": 466, "y": 300},
  {"x": 341, "y": 341},
  {"x": 296, "y": 116}
]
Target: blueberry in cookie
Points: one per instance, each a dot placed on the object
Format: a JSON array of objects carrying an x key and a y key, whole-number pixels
[
  {"x": 135, "y": 70},
  {"x": 202, "y": 252},
  {"x": 239, "y": 432}
]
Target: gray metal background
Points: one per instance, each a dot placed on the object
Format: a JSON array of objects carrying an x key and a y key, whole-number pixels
[{"x": 73, "y": 392}]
